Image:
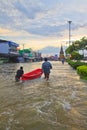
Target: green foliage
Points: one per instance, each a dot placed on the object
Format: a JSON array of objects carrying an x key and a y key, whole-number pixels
[
  {"x": 82, "y": 71},
  {"x": 77, "y": 45},
  {"x": 69, "y": 50},
  {"x": 75, "y": 55},
  {"x": 83, "y": 43},
  {"x": 75, "y": 64}
]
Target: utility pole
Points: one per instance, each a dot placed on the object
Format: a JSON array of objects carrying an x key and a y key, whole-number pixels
[
  {"x": 69, "y": 22},
  {"x": 23, "y": 47}
]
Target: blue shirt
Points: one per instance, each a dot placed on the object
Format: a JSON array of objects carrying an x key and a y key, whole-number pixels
[{"x": 46, "y": 66}]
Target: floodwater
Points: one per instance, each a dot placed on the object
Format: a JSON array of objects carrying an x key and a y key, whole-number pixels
[{"x": 57, "y": 104}]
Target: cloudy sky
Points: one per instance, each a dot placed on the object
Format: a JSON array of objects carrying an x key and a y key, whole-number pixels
[{"x": 40, "y": 23}]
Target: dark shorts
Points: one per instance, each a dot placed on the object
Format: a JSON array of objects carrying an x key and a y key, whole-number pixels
[{"x": 17, "y": 78}]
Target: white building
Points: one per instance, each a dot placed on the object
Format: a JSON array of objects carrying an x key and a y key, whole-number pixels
[{"x": 8, "y": 48}]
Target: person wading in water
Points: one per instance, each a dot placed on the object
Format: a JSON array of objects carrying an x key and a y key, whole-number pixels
[
  {"x": 19, "y": 74},
  {"x": 46, "y": 66}
]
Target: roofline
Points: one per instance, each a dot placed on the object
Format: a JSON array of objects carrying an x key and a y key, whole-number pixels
[
  {"x": 3, "y": 40},
  {"x": 9, "y": 42}
]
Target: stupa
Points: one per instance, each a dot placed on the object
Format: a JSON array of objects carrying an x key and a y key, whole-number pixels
[{"x": 61, "y": 55}]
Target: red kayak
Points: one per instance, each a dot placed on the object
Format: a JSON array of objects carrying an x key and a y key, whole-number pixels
[{"x": 32, "y": 75}]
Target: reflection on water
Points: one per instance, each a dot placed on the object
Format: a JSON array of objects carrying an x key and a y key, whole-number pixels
[{"x": 57, "y": 104}]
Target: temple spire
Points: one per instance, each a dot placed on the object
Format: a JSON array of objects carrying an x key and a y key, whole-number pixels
[{"x": 61, "y": 55}]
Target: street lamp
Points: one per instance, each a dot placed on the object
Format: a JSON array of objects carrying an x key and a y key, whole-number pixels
[{"x": 69, "y": 22}]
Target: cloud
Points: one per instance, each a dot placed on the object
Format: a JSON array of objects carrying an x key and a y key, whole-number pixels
[{"x": 36, "y": 19}]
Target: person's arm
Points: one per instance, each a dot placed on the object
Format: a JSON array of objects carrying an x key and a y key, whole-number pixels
[
  {"x": 42, "y": 67},
  {"x": 50, "y": 66}
]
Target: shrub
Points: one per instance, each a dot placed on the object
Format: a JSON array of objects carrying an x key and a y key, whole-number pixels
[
  {"x": 75, "y": 64},
  {"x": 82, "y": 71}
]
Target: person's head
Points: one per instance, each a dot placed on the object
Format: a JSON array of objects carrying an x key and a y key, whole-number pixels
[
  {"x": 45, "y": 59},
  {"x": 21, "y": 68}
]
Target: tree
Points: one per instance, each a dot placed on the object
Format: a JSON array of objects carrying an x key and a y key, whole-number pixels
[
  {"x": 70, "y": 49},
  {"x": 77, "y": 45},
  {"x": 76, "y": 56}
]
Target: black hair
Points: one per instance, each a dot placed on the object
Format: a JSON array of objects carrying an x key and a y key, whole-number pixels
[
  {"x": 21, "y": 67},
  {"x": 45, "y": 59}
]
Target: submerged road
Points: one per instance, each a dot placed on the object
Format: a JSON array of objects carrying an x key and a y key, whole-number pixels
[{"x": 57, "y": 104}]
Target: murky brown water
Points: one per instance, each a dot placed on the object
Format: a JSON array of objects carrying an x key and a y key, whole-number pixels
[{"x": 57, "y": 104}]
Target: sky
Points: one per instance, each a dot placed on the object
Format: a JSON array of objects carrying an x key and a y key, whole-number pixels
[{"x": 40, "y": 23}]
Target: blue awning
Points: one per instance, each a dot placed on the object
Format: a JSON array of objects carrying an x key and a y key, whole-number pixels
[{"x": 13, "y": 43}]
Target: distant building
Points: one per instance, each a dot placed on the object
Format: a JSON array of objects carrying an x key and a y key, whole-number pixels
[
  {"x": 9, "y": 51},
  {"x": 61, "y": 55},
  {"x": 56, "y": 57},
  {"x": 30, "y": 55},
  {"x": 8, "y": 48}
]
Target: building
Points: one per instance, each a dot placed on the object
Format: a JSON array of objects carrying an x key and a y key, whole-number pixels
[
  {"x": 8, "y": 49},
  {"x": 61, "y": 55}
]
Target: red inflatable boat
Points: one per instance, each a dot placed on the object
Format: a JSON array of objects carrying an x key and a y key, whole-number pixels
[{"x": 32, "y": 75}]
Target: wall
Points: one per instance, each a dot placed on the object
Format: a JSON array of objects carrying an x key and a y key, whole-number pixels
[{"x": 4, "y": 48}]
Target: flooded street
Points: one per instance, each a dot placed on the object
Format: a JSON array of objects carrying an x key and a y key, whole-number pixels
[{"x": 57, "y": 104}]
